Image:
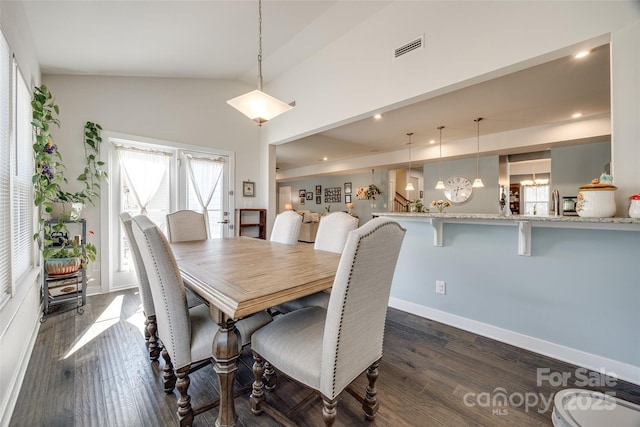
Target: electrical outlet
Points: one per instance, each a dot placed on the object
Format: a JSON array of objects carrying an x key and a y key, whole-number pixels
[{"x": 441, "y": 287}]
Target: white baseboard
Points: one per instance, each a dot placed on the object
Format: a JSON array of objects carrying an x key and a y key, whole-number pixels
[
  {"x": 623, "y": 371},
  {"x": 16, "y": 381}
]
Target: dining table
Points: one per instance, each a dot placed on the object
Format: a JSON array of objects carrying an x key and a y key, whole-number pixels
[{"x": 240, "y": 276}]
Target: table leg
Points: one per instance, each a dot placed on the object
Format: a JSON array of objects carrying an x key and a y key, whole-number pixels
[{"x": 226, "y": 351}]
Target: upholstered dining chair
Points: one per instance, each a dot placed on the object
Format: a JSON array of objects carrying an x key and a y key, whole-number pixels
[
  {"x": 326, "y": 349},
  {"x": 331, "y": 237},
  {"x": 187, "y": 334},
  {"x": 186, "y": 226},
  {"x": 286, "y": 228},
  {"x": 150, "y": 329}
]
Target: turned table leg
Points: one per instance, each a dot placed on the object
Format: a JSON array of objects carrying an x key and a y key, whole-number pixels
[{"x": 226, "y": 351}]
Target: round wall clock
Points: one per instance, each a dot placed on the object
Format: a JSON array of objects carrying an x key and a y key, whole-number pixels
[{"x": 458, "y": 189}]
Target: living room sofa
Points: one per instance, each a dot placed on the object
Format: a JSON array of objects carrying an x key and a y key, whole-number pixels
[{"x": 309, "y": 227}]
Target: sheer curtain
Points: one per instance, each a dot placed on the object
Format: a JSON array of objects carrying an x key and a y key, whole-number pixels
[
  {"x": 144, "y": 171},
  {"x": 204, "y": 173}
]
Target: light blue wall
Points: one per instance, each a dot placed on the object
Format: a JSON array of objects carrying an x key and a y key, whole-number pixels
[
  {"x": 575, "y": 166},
  {"x": 361, "y": 208},
  {"x": 579, "y": 289},
  {"x": 484, "y": 200}
]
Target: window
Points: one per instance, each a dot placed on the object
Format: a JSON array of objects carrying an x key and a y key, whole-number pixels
[
  {"x": 16, "y": 169},
  {"x": 23, "y": 208},
  {"x": 156, "y": 179},
  {"x": 5, "y": 170},
  {"x": 536, "y": 199}
]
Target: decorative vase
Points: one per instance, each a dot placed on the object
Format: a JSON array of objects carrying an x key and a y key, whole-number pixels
[
  {"x": 66, "y": 210},
  {"x": 596, "y": 201},
  {"x": 59, "y": 266}
]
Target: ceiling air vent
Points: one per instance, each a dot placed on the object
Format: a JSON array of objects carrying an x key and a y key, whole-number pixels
[{"x": 409, "y": 47}]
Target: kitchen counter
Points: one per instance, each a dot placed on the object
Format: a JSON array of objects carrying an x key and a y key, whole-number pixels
[{"x": 523, "y": 222}]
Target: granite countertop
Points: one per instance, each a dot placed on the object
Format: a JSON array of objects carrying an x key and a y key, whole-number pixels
[{"x": 496, "y": 217}]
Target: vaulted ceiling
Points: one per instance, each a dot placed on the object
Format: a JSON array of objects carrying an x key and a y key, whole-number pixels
[{"x": 218, "y": 39}]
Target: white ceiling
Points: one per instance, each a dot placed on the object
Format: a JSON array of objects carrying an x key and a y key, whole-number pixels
[
  {"x": 544, "y": 94},
  {"x": 218, "y": 39}
]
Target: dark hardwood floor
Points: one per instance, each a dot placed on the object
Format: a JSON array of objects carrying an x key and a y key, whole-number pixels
[{"x": 93, "y": 370}]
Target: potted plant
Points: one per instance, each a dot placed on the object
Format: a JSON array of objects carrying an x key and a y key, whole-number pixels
[
  {"x": 49, "y": 177},
  {"x": 68, "y": 259}
]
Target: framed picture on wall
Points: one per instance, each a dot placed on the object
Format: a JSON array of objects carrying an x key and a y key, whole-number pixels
[
  {"x": 302, "y": 193},
  {"x": 248, "y": 189},
  {"x": 302, "y": 200},
  {"x": 309, "y": 195},
  {"x": 318, "y": 190},
  {"x": 347, "y": 188},
  {"x": 347, "y": 198},
  {"x": 332, "y": 195},
  {"x": 318, "y": 200}
]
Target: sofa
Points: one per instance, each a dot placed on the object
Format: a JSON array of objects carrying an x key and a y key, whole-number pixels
[{"x": 309, "y": 226}]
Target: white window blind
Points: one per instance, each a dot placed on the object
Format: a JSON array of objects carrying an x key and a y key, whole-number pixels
[
  {"x": 23, "y": 257},
  {"x": 5, "y": 170}
]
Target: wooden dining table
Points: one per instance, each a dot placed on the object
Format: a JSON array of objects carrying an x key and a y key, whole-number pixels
[{"x": 242, "y": 276}]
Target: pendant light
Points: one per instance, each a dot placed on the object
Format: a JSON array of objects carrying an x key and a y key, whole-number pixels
[
  {"x": 256, "y": 104},
  {"x": 440, "y": 184},
  {"x": 478, "y": 182},
  {"x": 409, "y": 186}
]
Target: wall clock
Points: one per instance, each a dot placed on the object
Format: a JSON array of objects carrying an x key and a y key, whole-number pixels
[{"x": 458, "y": 189}]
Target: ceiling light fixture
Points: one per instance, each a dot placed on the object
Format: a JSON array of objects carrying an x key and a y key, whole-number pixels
[
  {"x": 440, "y": 184},
  {"x": 576, "y": 115},
  {"x": 478, "y": 182},
  {"x": 409, "y": 186},
  {"x": 377, "y": 116},
  {"x": 581, "y": 54},
  {"x": 256, "y": 104}
]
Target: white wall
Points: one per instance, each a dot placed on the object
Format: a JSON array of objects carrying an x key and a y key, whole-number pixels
[
  {"x": 186, "y": 111},
  {"x": 19, "y": 316},
  {"x": 465, "y": 42}
]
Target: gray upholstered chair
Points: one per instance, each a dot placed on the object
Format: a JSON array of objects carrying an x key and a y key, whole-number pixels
[
  {"x": 186, "y": 226},
  {"x": 286, "y": 228},
  {"x": 326, "y": 349},
  {"x": 187, "y": 334},
  {"x": 331, "y": 237},
  {"x": 150, "y": 330}
]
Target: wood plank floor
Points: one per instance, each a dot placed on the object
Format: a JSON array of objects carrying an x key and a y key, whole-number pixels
[{"x": 93, "y": 370}]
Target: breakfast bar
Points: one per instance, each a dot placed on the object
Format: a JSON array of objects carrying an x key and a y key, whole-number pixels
[
  {"x": 523, "y": 222},
  {"x": 574, "y": 296}
]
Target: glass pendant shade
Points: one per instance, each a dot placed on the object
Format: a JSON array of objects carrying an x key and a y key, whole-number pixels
[
  {"x": 440, "y": 185},
  {"x": 409, "y": 187},
  {"x": 259, "y": 106},
  {"x": 256, "y": 104},
  {"x": 477, "y": 183}
]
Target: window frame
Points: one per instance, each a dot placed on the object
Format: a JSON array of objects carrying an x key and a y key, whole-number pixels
[
  {"x": 109, "y": 206},
  {"x": 15, "y": 99}
]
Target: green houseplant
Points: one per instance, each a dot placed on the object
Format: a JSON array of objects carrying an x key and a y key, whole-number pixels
[{"x": 49, "y": 177}]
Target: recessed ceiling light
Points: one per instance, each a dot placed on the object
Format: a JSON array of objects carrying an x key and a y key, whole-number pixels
[
  {"x": 581, "y": 54},
  {"x": 433, "y": 141},
  {"x": 576, "y": 115},
  {"x": 325, "y": 159},
  {"x": 377, "y": 116}
]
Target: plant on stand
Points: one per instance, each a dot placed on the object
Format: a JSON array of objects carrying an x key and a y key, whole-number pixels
[{"x": 49, "y": 177}]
